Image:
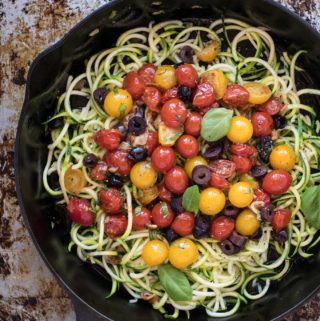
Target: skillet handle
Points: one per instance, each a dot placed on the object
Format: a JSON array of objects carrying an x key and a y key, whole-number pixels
[{"x": 85, "y": 313}]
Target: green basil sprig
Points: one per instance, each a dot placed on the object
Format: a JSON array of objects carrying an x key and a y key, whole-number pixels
[
  {"x": 190, "y": 199},
  {"x": 310, "y": 205}
]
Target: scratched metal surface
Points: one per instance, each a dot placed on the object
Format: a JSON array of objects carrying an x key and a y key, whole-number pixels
[{"x": 28, "y": 291}]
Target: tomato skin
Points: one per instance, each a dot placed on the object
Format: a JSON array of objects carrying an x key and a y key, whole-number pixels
[
  {"x": 281, "y": 219},
  {"x": 244, "y": 150},
  {"x": 261, "y": 196},
  {"x": 192, "y": 125},
  {"x": 111, "y": 200},
  {"x": 174, "y": 113},
  {"x": 163, "y": 158},
  {"x": 115, "y": 225},
  {"x": 277, "y": 182},
  {"x": 262, "y": 124},
  {"x": 224, "y": 168},
  {"x": 176, "y": 180},
  {"x": 170, "y": 94},
  {"x": 162, "y": 214},
  {"x": 164, "y": 194},
  {"x": 140, "y": 218},
  {"x": 273, "y": 106},
  {"x": 187, "y": 146},
  {"x": 108, "y": 138},
  {"x": 218, "y": 181},
  {"x": 152, "y": 142},
  {"x": 183, "y": 223},
  {"x": 147, "y": 72},
  {"x": 236, "y": 95},
  {"x": 243, "y": 164},
  {"x": 186, "y": 75},
  {"x": 118, "y": 159},
  {"x": 221, "y": 228},
  {"x": 134, "y": 84},
  {"x": 152, "y": 98},
  {"x": 79, "y": 211},
  {"x": 204, "y": 95},
  {"x": 99, "y": 172}
]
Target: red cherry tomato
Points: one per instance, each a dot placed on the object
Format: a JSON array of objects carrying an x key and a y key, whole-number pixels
[
  {"x": 221, "y": 228},
  {"x": 192, "y": 125},
  {"x": 108, "y": 138},
  {"x": 218, "y": 181},
  {"x": 243, "y": 164},
  {"x": 204, "y": 95},
  {"x": 236, "y": 95},
  {"x": 186, "y": 75},
  {"x": 163, "y": 158},
  {"x": 118, "y": 160},
  {"x": 170, "y": 94},
  {"x": 174, "y": 113},
  {"x": 134, "y": 84},
  {"x": 244, "y": 150},
  {"x": 111, "y": 200},
  {"x": 187, "y": 146},
  {"x": 277, "y": 182},
  {"x": 262, "y": 123},
  {"x": 164, "y": 194},
  {"x": 281, "y": 219},
  {"x": 152, "y": 98},
  {"x": 273, "y": 106},
  {"x": 183, "y": 223},
  {"x": 162, "y": 215},
  {"x": 261, "y": 196},
  {"x": 79, "y": 211},
  {"x": 115, "y": 225},
  {"x": 152, "y": 142},
  {"x": 147, "y": 72},
  {"x": 141, "y": 217},
  {"x": 99, "y": 172},
  {"x": 176, "y": 180},
  {"x": 224, "y": 168}
]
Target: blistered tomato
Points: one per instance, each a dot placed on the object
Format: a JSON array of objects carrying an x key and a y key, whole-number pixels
[
  {"x": 100, "y": 171},
  {"x": 170, "y": 94},
  {"x": 273, "y": 106},
  {"x": 146, "y": 196},
  {"x": 111, "y": 200},
  {"x": 258, "y": 93},
  {"x": 108, "y": 138},
  {"x": 281, "y": 219},
  {"x": 186, "y": 75},
  {"x": 182, "y": 253},
  {"x": 191, "y": 163},
  {"x": 283, "y": 157},
  {"x": 147, "y": 72},
  {"x": 212, "y": 201},
  {"x": 223, "y": 167},
  {"x": 221, "y": 228},
  {"x": 204, "y": 95},
  {"x": 209, "y": 53},
  {"x": 79, "y": 211},
  {"x": 247, "y": 223},
  {"x": 218, "y": 181},
  {"x": 143, "y": 175},
  {"x": 183, "y": 223},
  {"x": 187, "y": 146},
  {"x": 244, "y": 150},
  {"x": 241, "y": 194},
  {"x": 152, "y": 98},
  {"x": 241, "y": 130},
  {"x": 165, "y": 77},
  {"x": 141, "y": 217},
  {"x": 118, "y": 159},
  {"x": 162, "y": 214},
  {"x": 243, "y": 164},
  {"x": 236, "y": 95},
  {"x": 174, "y": 113},
  {"x": 163, "y": 158},
  {"x": 134, "y": 83},
  {"x": 192, "y": 125},
  {"x": 152, "y": 142},
  {"x": 74, "y": 180},
  {"x": 118, "y": 103},
  {"x": 262, "y": 124},
  {"x": 115, "y": 225},
  {"x": 164, "y": 193},
  {"x": 176, "y": 180},
  {"x": 218, "y": 81},
  {"x": 155, "y": 252},
  {"x": 261, "y": 196},
  {"x": 277, "y": 182}
]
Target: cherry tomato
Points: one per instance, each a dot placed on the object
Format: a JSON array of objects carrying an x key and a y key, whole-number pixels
[
  {"x": 152, "y": 98},
  {"x": 262, "y": 124},
  {"x": 115, "y": 225},
  {"x": 247, "y": 223},
  {"x": 79, "y": 211},
  {"x": 186, "y": 75},
  {"x": 218, "y": 181},
  {"x": 273, "y": 106},
  {"x": 212, "y": 201},
  {"x": 141, "y": 217},
  {"x": 99, "y": 172},
  {"x": 218, "y": 80},
  {"x": 244, "y": 150},
  {"x": 147, "y": 72},
  {"x": 243, "y": 164},
  {"x": 258, "y": 93},
  {"x": 191, "y": 163},
  {"x": 108, "y": 138},
  {"x": 183, "y": 223},
  {"x": 147, "y": 195},
  {"x": 241, "y": 194},
  {"x": 236, "y": 95},
  {"x": 174, "y": 113},
  {"x": 209, "y": 52},
  {"x": 281, "y": 219},
  {"x": 74, "y": 180},
  {"x": 182, "y": 253},
  {"x": 187, "y": 146},
  {"x": 164, "y": 194},
  {"x": 176, "y": 180},
  {"x": 168, "y": 135},
  {"x": 162, "y": 214},
  {"x": 152, "y": 142},
  {"x": 283, "y": 157},
  {"x": 204, "y": 95},
  {"x": 192, "y": 125},
  {"x": 119, "y": 161},
  {"x": 170, "y": 94},
  {"x": 155, "y": 252},
  {"x": 165, "y": 77},
  {"x": 277, "y": 182},
  {"x": 118, "y": 103},
  {"x": 111, "y": 200},
  {"x": 143, "y": 175},
  {"x": 135, "y": 84},
  {"x": 224, "y": 168},
  {"x": 241, "y": 130},
  {"x": 249, "y": 179},
  {"x": 163, "y": 158},
  {"x": 221, "y": 228},
  {"x": 261, "y": 196}
]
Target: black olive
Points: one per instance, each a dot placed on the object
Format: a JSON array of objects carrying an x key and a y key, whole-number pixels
[
  {"x": 100, "y": 94},
  {"x": 122, "y": 129},
  {"x": 90, "y": 160},
  {"x": 228, "y": 248},
  {"x": 225, "y": 144},
  {"x": 259, "y": 171},
  {"x": 137, "y": 125},
  {"x": 171, "y": 235},
  {"x": 238, "y": 239},
  {"x": 279, "y": 122},
  {"x": 264, "y": 148},
  {"x": 56, "y": 123},
  {"x": 114, "y": 181},
  {"x": 176, "y": 204},
  {"x": 78, "y": 102},
  {"x": 53, "y": 180},
  {"x": 281, "y": 236},
  {"x": 201, "y": 227},
  {"x": 186, "y": 54},
  {"x": 201, "y": 174},
  {"x": 185, "y": 93},
  {"x": 213, "y": 151},
  {"x": 266, "y": 213},
  {"x": 230, "y": 210},
  {"x": 257, "y": 235},
  {"x": 137, "y": 154}
]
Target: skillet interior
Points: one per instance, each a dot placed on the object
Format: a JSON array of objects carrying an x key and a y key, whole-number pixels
[{"x": 48, "y": 76}]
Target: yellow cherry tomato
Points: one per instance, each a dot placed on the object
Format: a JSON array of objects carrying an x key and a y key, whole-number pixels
[
  {"x": 165, "y": 77},
  {"x": 182, "y": 253},
  {"x": 191, "y": 163},
  {"x": 168, "y": 136},
  {"x": 218, "y": 81},
  {"x": 146, "y": 196},
  {"x": 155, "y": 252},
  {"x": 118, "y": 103},
  {"x": 241, "y": 194},
  {"x": 74, "y": 180},
  {"x": 143, "y": 175},
  {"x": 247, "y": 223},
  {"x": 258, "y": 93},
  {"x": 212, "y": 201},
  {"x": 283, "y": 157},
  {"x": 209, "y": 53},
  {"x": 241, "y": 130},
  {"x": 249, "y": 179}
]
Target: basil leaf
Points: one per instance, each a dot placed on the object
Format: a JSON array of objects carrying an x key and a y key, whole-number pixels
[
  {"x": 190, "y": 199},
  {"x": 175, "y": 283},
  {"x": 164, "y": 208},
  {"x": 216, "y": 124},
  {"x": 310, "y": 205}
]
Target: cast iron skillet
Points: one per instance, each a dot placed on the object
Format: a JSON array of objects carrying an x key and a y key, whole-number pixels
[{"x": 47, "y": 76}]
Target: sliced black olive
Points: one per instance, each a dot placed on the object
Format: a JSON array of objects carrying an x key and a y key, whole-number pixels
[
  {"x": 186, "y": 54},
  {"x": 137, "y": 125},
  {"x": 201, "y": 174},
  {"x": 78, "y": 102},
  {"x": 137, "y": 154},
  {"x": 228, "y": 248},
  {"x": 90, "y": 160},
  {"x": 281, "y": 236},
  {"x": 122, "y": 129},
  {"x": 264, "y": 148},
  {"x": 238, "y": 240},
  {"x": 201, "y": 227},
  {"x": 176, "y": 204},
  {"x": 100, "y": 94},
  {"x": 230, "y": 210},
  {"x": 257, "y": 235},
  {"x": 259, "y": 171},
  {"x": 266, "y": 213},
  {"x": 185, "y": 93},
  {"x": 56, "y": 123},
  {"x": 213, "y": 151},
  {"x": 279, "y": 122},
  {"x": 114, "y": 181},
  {"x": 225, "y": 145},
  {"x": 171, "y": 235}
]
